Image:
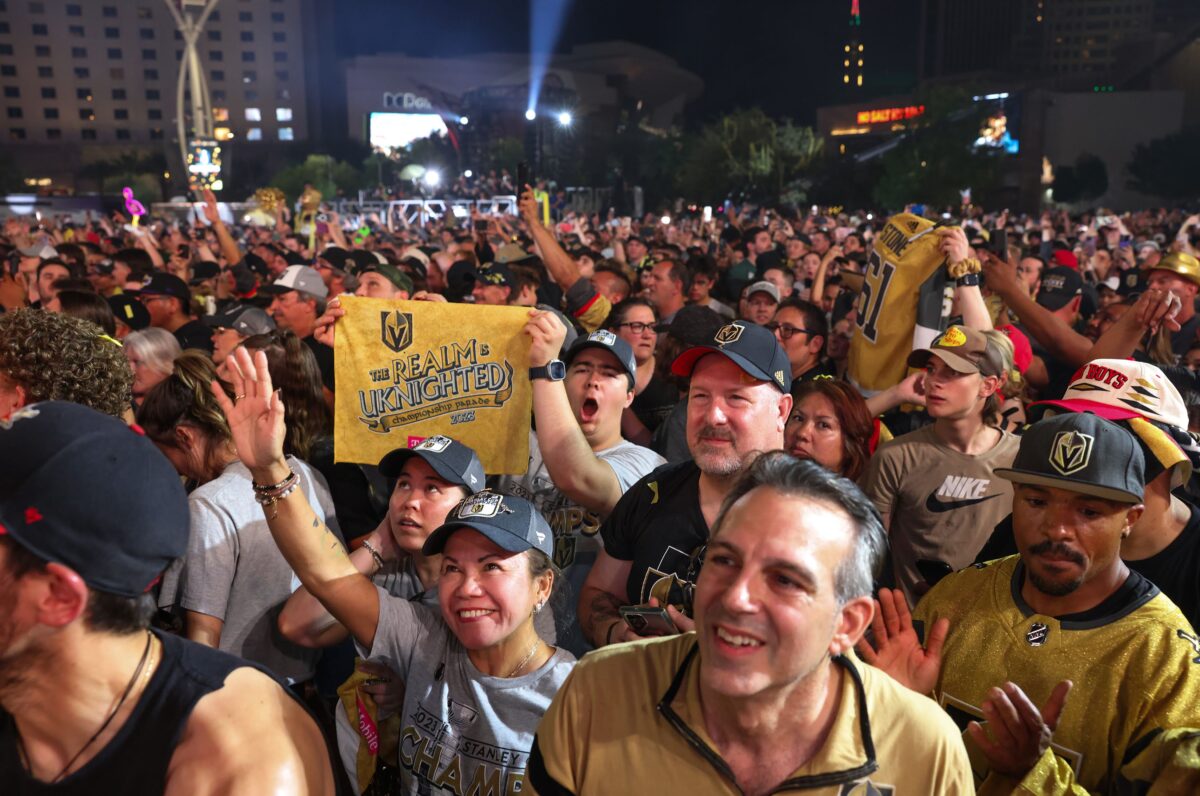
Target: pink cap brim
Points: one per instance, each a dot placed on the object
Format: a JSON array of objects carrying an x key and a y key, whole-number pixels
[{"x": 1106, "y": 411}]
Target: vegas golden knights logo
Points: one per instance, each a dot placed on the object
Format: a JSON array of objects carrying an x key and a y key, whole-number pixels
[
  {"x": 396, "y": 329},
  {"x": 1071, "y": 451},
  {"x": 729, "y": 334}
]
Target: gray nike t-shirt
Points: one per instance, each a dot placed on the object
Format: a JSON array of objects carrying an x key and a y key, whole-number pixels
[{"x": 461, "y": 731}]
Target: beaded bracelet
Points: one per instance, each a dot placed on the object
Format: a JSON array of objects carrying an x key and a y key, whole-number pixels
[
  {"x": 375, "y": 556},
  {"x": 271, "y": 495},
  {"x": 261, "y": 489}
]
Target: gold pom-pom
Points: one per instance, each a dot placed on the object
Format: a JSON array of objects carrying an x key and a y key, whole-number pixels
[{"x": 269, "y": 199}]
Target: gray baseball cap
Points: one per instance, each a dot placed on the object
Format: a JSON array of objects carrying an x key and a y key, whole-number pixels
[
  {"x": 512, "y": 523},
  {"x": 1080, "y": 452},
  {"x": 298, "y": 277},
  {"x": 607, "y": 341}
]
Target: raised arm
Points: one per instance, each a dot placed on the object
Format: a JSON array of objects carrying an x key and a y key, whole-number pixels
[
  {"x": 562, "y": 268},
  {"x": 229, "y": 247},
  {"x": 572, "y": 465},
  {"x": 315, "y": 554},
  {"x": 1050, "y": 330}
]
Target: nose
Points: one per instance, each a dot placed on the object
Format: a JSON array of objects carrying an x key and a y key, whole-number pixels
[
  {"x": 1058, "y": 524},
  {"x": 738, "y": 597},
  {"x": 468, "y": 585},
  {"x": 715, "y": 415}
]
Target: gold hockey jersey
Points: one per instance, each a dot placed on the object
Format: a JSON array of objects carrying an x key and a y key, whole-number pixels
[
  {"x": 1133, "y": 714},
  {"x": 902, "y": 304}
]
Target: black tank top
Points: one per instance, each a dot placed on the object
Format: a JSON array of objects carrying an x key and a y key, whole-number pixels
[{"x": 135, "y": 761}]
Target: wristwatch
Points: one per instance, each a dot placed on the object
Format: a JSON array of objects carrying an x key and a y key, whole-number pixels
[{"x": 554, "y": 370}]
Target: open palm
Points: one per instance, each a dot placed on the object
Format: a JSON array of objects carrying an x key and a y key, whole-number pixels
[
  {"x": 255, "y": 415},
  {"x": 898, "y": 650}
]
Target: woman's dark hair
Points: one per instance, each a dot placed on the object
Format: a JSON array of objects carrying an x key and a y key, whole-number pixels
[
  {"x": 853, "y": 417},
  {"x": 295, "y": 373},
  {"x": 110, "y": 613},
  {"x": 616, "y": 316},
  {"x": 185, "y": 398},
  {"x": 88, "y": 306}
]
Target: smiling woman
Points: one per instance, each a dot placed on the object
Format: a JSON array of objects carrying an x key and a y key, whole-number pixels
[{"x": 474, "y": 669}]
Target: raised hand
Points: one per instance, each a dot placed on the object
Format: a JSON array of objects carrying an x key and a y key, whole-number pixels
[
  {"x": 897, "y": 649},
  {"x": 255, "y": 413},
  {"x": 210, "y": 206},
  {"x": 1020, "y": 733},
  {"x": 323, "y": 332}
]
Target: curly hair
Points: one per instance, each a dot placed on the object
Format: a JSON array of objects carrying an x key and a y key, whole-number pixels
[
  {"x": 55, "y": 357},
  {"x": 294, "y": 371}
]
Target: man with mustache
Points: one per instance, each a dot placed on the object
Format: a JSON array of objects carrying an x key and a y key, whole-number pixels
[
  {"x": 1004, "y": 642},
  {"x": 738, "y": 404}
]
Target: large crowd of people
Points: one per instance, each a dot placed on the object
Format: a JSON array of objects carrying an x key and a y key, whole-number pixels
[{"x": 833, "y": 502}]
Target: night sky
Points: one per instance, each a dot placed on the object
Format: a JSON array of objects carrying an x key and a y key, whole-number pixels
[{"x": 783, "y": 55}]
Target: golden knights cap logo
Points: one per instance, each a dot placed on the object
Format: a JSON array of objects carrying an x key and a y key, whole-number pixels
[
  {"x": 602, "y": 336},
  {"x": 484, "y": 504},
  {"x": 1036, "y": 636},
  {"x": 730, "y": 333},
  {"x": 1071, "y": 451},
  {"x": 435, "y": 444},
  {"x": 396, "y": 330}
]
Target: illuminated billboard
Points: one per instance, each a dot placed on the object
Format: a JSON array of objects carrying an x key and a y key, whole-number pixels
[
  {"x": 390, "y": 131},
  {"x": 204, "y": 164},
  {"x": 1001, "y": 127}
]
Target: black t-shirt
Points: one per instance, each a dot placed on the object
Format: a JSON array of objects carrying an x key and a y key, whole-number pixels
[
  {"x": 653, "y": 404},
  {"x": 324, "y": 355},
  {"x": 194, "y": 334},
  {"x": 1182, "y": 340},
  {"x": 824, "y": 369},
  {"x": 1175, "y": 569},
  {"x": 657, "y": 525}
]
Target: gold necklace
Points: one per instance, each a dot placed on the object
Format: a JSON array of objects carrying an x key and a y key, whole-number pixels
[{"x": 521, "y": 665}]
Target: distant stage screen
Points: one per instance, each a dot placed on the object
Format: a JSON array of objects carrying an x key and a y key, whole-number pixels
[
  {"x": 398, "y": 130},
  {"x": 1000, "y": 129}
]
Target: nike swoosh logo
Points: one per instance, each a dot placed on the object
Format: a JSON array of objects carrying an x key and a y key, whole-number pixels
[{"x": 938, "y": 506}]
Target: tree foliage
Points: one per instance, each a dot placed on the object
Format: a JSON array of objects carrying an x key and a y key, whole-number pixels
[
  {"x": 327, "y": 175},
  {"x": 1082, "y": 182},
  {"x": 937, "y": 159},
  {"x": 749, "y": 154},
  {"x": 1167, "y": 167}
]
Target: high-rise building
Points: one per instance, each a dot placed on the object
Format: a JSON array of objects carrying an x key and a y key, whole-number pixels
[
  {"x": 854, "y": 51},
  {"x": 81, "y": 77}
]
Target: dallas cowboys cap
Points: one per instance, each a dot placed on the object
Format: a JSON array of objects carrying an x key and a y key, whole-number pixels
[
  {"x": 125, "y": 518},
  {"x": 512, "y": 523},
  {"x": 1080, "y": 452},
  {"x": 298, "y": 277},
  {"x": 751, "y": 347},
  {"x": 450, "y": 459},
  {"x": 607, "y": 341}
]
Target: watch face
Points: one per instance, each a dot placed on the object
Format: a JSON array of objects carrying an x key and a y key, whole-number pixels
[{"x": 556, "y": 370}]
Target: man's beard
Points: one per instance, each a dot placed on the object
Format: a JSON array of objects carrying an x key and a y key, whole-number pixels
[
  {"x": 711, "y": 462},
  {"x": 1050, "y": 587}
]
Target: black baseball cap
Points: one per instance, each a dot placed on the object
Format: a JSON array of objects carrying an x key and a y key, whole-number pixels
[
  {"x": 510, "y": 522},
  {"x": 205, "y": 269},
  {"x": 129, "y": 311},
  {"x": 693, "y": 324},
  {"x": 336, "y": 256},
  {"x": 496, "y": 274},
  {"x": 751, "y": 347},
  {"x": 450, "y": 459},
  {"x": 161, "y": 283},
  {"x": 607, "y": 341},
  {"x": 1059, "y": 286},
  {"x": 1080, "y": 452},
  {"x": 81, "y": 488},
  {"x": 244, "y": 319}
]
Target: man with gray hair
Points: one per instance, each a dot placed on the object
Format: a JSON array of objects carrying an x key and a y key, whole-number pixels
[{"x": 763, "y": 696}]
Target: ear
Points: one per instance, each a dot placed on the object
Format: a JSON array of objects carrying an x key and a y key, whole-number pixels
[
  {"x": 853, "y": 620},
  {"x": 62, "y": 596},
  {"x": 1131, "y": 517},
  {"x": 1074, "y": 304},
  {"x": 990, "y": 385},
  {"x": 629, "y": 396},
  {"x": 816, "y": 344},
  {"x": 785, "y": 410}
]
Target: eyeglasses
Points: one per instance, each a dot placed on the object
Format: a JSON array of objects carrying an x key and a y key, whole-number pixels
[
  {"x": 786, "y": 330},
  {"x": 637, "y": 327}
]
